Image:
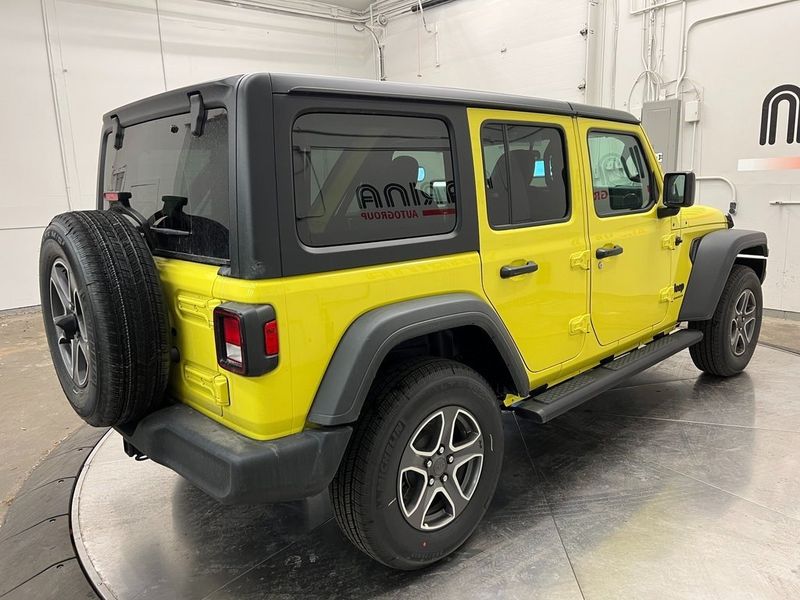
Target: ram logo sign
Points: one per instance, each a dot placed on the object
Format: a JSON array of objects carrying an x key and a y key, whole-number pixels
[{"x": 786, "y": 93}]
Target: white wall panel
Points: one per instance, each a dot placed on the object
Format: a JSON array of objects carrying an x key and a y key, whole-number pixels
[
  {"x": 206, "y": 41},
  {"x": 734, "y": 62},
  {"x": 107, "y": 53},
  {"x": 20, "y": 248},
  {"x": 31, "y": 177},
  {"x": 544, "y": 52},
  {"x": 112, "y": 55}
]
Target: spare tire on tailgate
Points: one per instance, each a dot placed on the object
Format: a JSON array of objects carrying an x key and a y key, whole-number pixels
[{"x": 104, "y": 316}]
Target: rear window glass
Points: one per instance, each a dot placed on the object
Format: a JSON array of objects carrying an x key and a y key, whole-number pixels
[
  {"x": 178, "y": 181},
  {"x": 363, "y": 178}
]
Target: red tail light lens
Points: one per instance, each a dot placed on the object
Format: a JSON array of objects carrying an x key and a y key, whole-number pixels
[
  {"x": 271, "y": 343},
  {"x": 232, "y": 334},
  {"x": 246, "y": 337}
]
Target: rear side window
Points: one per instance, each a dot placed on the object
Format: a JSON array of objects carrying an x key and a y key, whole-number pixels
[
  {"x": 525, "y": 174},
  {"x": 621, "y": 181},
  {"x": 178, "y": 181},
  {"x": 364, "y": 178}
]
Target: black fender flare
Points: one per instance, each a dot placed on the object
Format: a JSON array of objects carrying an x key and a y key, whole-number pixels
[
  {"x": 712, "y": 259},
  {"x": 371, "y": 336}
]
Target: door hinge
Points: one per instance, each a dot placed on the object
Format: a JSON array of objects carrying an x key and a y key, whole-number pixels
[
  {"x": 199, "y": 308},
  {"x": 671, "y": 241},
  {"x": 580, "y": 260},
  {"x": 222, "y": 395},
  {"x": 579, "y": 325}
]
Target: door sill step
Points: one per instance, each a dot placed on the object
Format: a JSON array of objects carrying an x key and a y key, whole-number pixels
[{"x": 573, "y": 392}]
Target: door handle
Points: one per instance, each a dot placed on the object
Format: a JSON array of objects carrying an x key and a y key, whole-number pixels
[
  {"x": 515, "y": 270},
  {"x": 606, "y": 252}
]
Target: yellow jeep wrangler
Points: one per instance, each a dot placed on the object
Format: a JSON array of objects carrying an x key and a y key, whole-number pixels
[{"x": 294, "y": 283}]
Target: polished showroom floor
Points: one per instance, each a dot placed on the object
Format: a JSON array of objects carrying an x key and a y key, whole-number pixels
[{"x": 675, "y": 485}]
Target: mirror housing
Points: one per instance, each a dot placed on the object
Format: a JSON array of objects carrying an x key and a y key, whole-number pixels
[
  {"x": 679, "y": 189},
  {"x": 678, "y": 193}
]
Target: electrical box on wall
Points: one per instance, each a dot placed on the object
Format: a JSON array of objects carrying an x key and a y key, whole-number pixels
[
  {"x": 691, "y": 111},
  {"x": 661, "y": 120}
]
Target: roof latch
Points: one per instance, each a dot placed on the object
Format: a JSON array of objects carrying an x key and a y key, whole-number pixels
[{"x": 197, "y": 113}]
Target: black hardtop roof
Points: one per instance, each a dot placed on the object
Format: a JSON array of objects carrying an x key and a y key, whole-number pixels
[
  {"x": 287, "y": 83},
  {"x": 174, "y": 101}
]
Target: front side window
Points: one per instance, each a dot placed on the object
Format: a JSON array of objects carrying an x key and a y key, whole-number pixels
[
  {"x": 525, "y": 174},
  {"x": 178, "y": 181},
  {"x": 621, "y": 181},
  {"x": 364, "y": 178}
]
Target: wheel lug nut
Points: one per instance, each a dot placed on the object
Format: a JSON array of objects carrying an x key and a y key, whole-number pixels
[
  {"x": 429, "y": 464},
  {"x": 441, "y": 450},
  {"x": 430, "y": 481},
  {"x": 450, "y": 459},
  {"x": 444, "y": 477}
]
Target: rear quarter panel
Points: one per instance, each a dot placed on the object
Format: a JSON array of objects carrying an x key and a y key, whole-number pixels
[{"x": 313, "y": 312}]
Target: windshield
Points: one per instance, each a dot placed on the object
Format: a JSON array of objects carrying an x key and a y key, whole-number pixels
[{"x": 178, "y": 181}]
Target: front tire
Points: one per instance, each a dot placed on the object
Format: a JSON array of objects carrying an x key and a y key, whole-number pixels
[
  {"x": 422, "y": 465},
  {"x": 731, "y": 334}
]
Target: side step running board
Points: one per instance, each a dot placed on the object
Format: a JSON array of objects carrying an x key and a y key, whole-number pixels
[{"x": 573, "y": 392}]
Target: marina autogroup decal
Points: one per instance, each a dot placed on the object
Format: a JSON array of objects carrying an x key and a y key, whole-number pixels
[
  {"x": 774, "y": 130},
  {"x": 399, "y": 202}
]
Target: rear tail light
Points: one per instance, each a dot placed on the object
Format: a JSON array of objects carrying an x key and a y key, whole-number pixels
[
  {"x": 271, "y": 343},
  {"x": 232, "y": 334},
  {"x": 246, "y": 338}
]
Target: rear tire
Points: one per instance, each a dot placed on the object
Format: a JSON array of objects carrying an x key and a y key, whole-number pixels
[
  {"x": 408, "y": 492},
  {"x": 731, "y": 334},
  {"x": 104, "y": 316}
]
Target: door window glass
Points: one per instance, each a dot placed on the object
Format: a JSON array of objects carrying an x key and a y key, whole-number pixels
[
  {"x": 525, "y": 174},
  {"x": 621, "y": 181}
]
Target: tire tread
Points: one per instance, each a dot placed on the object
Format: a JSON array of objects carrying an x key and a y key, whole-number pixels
[
  {"x": 349, "y": 489},
  {"x": 711, "y": 354}
]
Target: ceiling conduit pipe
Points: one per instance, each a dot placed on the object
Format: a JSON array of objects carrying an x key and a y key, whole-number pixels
[
  {"x": 315, "y": 10},
  {"x": 380, "y": 54},
  {"x": 639, "y": 11},
  {"x": 434, "y": 32}
]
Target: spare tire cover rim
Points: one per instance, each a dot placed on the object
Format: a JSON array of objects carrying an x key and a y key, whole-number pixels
[{"x": 68, "y": 318}]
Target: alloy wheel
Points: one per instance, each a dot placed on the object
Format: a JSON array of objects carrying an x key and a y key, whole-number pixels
[
  {"x": 67, "y": 313},
  {"x": 743, "y": 324},
  {"x": 440, "y": 468}
]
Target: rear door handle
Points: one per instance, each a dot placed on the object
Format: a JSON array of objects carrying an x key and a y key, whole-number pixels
[
  {"x": 606, "y": 252},
  {"x": 515, "y": 270}
]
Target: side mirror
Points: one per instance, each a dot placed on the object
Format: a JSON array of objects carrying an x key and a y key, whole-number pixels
[{"x": 679, "y": 189}]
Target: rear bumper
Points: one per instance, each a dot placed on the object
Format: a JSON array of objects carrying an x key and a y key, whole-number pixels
[{"x": 235, "y": 469}]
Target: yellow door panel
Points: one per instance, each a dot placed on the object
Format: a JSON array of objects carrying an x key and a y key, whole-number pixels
[
  {"x": 631, "y": 248},
  {"x": 539, "y": 307}
]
